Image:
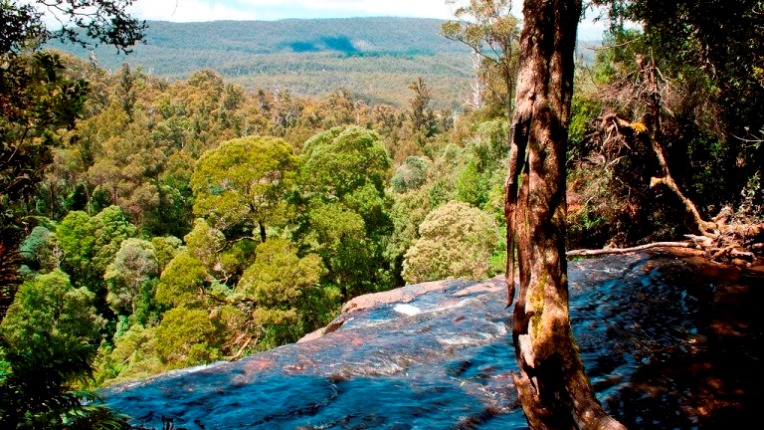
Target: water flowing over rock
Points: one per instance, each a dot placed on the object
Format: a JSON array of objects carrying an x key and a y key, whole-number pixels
[{"x": 668, "y": 342}]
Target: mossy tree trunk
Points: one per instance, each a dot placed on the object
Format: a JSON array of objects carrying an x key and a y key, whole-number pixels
[{"x": 552, "y": 386}]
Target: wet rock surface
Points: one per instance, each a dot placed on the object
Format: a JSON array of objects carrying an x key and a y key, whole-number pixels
[{"x": 668, "y": 342}]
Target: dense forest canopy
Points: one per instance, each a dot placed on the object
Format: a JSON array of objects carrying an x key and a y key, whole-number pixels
[{"x": 174, "y": 222}]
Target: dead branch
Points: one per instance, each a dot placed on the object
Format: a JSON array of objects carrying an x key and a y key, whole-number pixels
[
  {"x": 699, "y": 225},
  {"x": 718, "y": 239},
  {"x": 619, "y": 251}
]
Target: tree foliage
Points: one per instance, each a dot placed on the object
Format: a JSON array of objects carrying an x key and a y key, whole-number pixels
[
  {"x": 183, "y": 281},
  {"x": 410, "y": 175},
  {"x": 456, "y": 240},
  {"x": 345, "y": 173},
  {"x": 40, "y": 252},
  {"x": 710, "y": 50},
  {"x": 37, "y": 98},
  {"x": 132, "y": 270},
  {"x": 490, "y": 30},
  {"x": 90, "y": 244},
  {"x": 342, "y": 160},
  {"x": 86, "y": 23},
  {"x": 256, "y": 214},
  {"x": 698, "y": 108},
  {"x": 47, "y": 342},
  {"x": 184, "y": 336},
  {"x": 274, "y": 284},
  {"x": 243, "y": 182},
  {"x": 49, "y": 309}
]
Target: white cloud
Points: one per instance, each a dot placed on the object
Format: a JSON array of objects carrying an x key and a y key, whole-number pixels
[
  {"x": 212, "y": 10},
  {"x": 418, "y": 8},
  {"x": 190, "y": 10}
]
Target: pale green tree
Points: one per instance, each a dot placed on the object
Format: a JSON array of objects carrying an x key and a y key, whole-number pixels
[
  {"x": 183, "y": 282},
  {"x": 343, "y": 159},
  {"x": 90, "y": 244},
  {"x": 338, "y": 234},
  {"x": 410, "y": 175},
  {"x": 223, "y": 260},
  {"x": 456, "y": 241},
  {"x": 345, "y": 218},
  {"x": 407, "y": 213},
  {"x": 48, "y": 308},
  {"x": 133, "y": 357},
  {"x": 205, "y": 242},
  {"x": 76, "y": 237},
  {"x": 471, "y": 185},
  {"x": 207, "y": 260},
  {"x": 165, "y": 249},
  {"x": 132, "y": 270}
]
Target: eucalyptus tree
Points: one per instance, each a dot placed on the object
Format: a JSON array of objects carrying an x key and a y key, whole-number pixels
[
  {"x": 456, "y": 241},
  {"x": 490, "y": 30},
  {"x": 346, "y": 218},
  {"x": 242, "y": 184},
  {"x": 552, "y": 384}
]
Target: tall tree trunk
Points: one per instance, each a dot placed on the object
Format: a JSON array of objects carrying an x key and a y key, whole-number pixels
[
  {"x": 263, "y": 234},
  {"x": 552, "y": 386}
]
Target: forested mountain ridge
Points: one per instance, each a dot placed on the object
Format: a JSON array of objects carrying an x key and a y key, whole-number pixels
[
  {"x": 349, "y": 35},
  {"x": 374, "y": 58}
]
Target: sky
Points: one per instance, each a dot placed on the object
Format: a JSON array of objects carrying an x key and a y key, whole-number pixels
[
  {"x": 213, "y": 10},
  {"x": 216, "y": 10}
]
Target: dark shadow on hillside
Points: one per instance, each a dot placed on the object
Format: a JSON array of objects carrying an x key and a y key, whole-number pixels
[
  {"x": 341, "y": 44},
  {"x": 302, "y": 47}
]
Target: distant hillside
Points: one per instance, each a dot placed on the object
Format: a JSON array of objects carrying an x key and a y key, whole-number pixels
[
  {"x": 348, "y": 36},
  {"x": 374, "y": 58}
]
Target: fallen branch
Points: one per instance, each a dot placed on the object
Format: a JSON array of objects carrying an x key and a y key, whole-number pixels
[
  {"x": 714, "y": 254},
  {"x": 619, "y": 251},
  {"x": 736, "y": 253},
  {"x": 719, "y": 253}
]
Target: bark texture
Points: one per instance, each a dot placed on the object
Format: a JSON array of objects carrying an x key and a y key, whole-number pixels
[{"x": 553, "y": 388}]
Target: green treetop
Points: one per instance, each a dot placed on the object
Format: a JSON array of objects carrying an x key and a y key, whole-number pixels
[
  {"x": 344, "y": 159},
  {"x": 456, "y": 240},
  {"x": 242, "y": 183}
]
